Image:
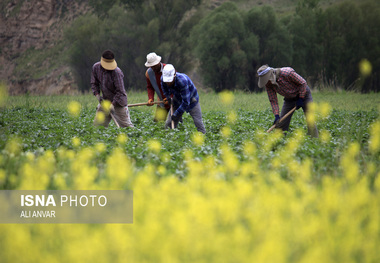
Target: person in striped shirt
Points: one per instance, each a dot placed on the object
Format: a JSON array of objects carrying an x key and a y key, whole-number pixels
[
  {"x": 185, "y": 97},
  {"x": 107, "y": 78},
  {"x": 286, "y": 82}
]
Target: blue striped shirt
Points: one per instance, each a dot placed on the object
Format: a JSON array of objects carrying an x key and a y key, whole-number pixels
[{"x": 184, "y": 91}]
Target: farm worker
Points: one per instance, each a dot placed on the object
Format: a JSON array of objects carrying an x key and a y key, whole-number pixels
[
  {"x": 286, "y": 82},
  {"x": 107, "y": 78},
  {"x": 153, "y": 80},
  {"x": 185, "y": 97}
]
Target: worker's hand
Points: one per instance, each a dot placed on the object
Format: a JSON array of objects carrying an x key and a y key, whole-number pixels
[
  {"x": 150, "y": 102},
  {"x": 167, "y": 101},
  {"x": 176, "y": 118},
  {"x": 276, "y": 119},
  {"x": 112, "y": 108},
  {"x": 99, "y": 98},
  {"x": 299, "y": 103}
]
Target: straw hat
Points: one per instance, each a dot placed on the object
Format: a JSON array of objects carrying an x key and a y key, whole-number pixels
[
  {"x": 108, "y": 61},
  {"x": 266, "y": 73},
  {"x": 152, "y": 59}
]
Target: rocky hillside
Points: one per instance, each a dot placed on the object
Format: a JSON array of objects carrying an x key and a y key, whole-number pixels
[{"x": 29, "y": 32}]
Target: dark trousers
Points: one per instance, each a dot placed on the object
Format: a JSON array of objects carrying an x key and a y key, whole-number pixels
[{"x": 290, "y": 104}]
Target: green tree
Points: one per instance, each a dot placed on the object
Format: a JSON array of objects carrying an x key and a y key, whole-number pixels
[
  {"x": 275, "y": 43},
  {"x": 131, "y": 30},
  {"x": 224, "y": 48},
  {"x": 306, "y": 39}
]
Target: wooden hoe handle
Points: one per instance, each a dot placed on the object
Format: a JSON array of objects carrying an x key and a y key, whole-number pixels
[
  {"x": 283, "y": 118},
  {"x": 144, "y": 103}
]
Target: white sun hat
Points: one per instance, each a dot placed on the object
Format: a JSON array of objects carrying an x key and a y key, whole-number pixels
[{"x": 152, "y": 59}]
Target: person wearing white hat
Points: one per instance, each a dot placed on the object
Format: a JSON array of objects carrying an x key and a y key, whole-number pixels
[
  {"x": 286, "y": 82},
  {"x": 185, "y": 97},
  {"x": 107, "y": 78},
  {"x": 153, "y": 80}
]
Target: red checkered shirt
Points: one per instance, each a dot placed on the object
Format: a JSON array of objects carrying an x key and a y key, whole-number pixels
[{"x": 290, "y": 85}]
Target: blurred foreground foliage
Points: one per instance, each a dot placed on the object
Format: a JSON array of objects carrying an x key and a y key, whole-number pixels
[{"x": 236, "y": 194}]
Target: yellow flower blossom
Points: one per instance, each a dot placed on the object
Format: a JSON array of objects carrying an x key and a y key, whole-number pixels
[
  {"x": 198, "y": 138},
  {"x": 365, "y": 67},
  {"x": 324, "y": 109},
  {"x": 226, "y": 131},
  {"x": 231, "y": 117},
  {"x": 106, "y": 105},
  {"x": 14, "y": 146},
  {"x": 122, "y": 138},
  {"x": 324, "y": 136},
  {"x": 3, "y": 94},
  {"x": 154, "y": 146},
  {"x": 374, "y": 140},
  {"x": 75, "y": 141},
  {"x": 100, "y": 117},
  {"x": 100, "y": 147},
  {"x": 226, "y": 97},
  {"x": 74, "y": 108}
]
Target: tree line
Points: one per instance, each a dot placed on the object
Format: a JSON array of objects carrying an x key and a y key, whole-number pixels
[{"x": 227, "y": 44}]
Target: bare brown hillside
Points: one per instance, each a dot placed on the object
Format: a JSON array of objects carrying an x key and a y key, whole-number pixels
[{"x": 35, "y": 25}]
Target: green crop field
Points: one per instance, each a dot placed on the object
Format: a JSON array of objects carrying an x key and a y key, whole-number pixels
[{"x": 235, "y": 194}]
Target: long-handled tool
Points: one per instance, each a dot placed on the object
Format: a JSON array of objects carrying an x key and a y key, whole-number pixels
[
  {"x": 144, "y": 104},
  {"x": 172, "y": 112},
  {"x": 114, "y": 120},
  {"x": 283, "y": 118}
]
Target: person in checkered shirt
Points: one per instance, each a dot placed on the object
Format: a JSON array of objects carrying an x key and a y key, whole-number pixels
[{"x": 286, "y": 82}]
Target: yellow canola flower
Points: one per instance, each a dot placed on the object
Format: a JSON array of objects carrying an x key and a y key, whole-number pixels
[
  {"x": 100, "y": 147},
  {"x": 198, "y": 138},
  {"x": 226, "y": 131},
  {"x": 188, "y": 154},
  {"x": 119, "y": 168},
  {"x": 165, "y": 157},
  {"x": 122, "y": 138},
  {"x": 325, "y": 109},
  {"x": 325, "y": 136},
  {"x": 74, "y": 108},
  {"x": 230, "y": 160},
  {"x": 3, "y": 94},
  {"x": 374, "y": 140},
  {"x": 100, "y": 117},
  {"x": 75, "y": 141},
  {"x": 2, "y": 176},
  {"x": 154, "y": 146},
  {"x": 160, "y": 114},
  {"x": 365, "y": 67},
  {"x": 232, "y": 117},
  {"x": 249, "y": 148},
  {"x": 161, "y": 170},
  {"x": 349, "y": 163},
  {"x": 106, "y": 105},
  {"x": 84, "y": 173},
  {"x": 14, "y": 146},
  {"x": 311, "y": 114},
  {"x": 36, "y": 175},
  {"x": 226, "y": 97}
]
